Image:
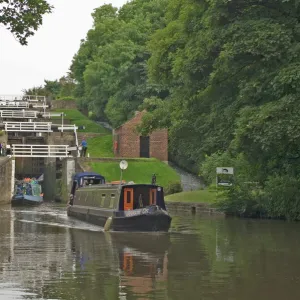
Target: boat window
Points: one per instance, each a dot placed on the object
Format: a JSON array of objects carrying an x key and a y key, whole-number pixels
[
  {"x": 103, "y": 195},
  {"x": 128, "y": 196},
  {"x": 112, "y": 195},
  {"x": 152, "y": 196}
]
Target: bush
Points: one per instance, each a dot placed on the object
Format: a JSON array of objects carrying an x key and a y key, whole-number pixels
[
  {"x": 243, "y": 200},
  {"x": 66, "y": 98},
  {"x": 172, "y": 188},
  {"x": 278, "y": 199},
  {"x": 2, "y": 132},
  {"x": 282, "y": 197},
  {"x": 92, "y": 116},
  {"x": 242, "y": 169}
]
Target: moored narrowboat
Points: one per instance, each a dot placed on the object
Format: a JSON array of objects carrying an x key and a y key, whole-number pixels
[
  {"x": 118, "y": 206},
  {"x": 27, "y": 193}
]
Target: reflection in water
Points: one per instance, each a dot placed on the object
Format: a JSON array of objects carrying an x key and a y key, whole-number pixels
[{"x": 44, "y": 255}]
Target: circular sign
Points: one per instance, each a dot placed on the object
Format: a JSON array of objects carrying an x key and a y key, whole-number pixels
[{"x": 123, "y": 164}]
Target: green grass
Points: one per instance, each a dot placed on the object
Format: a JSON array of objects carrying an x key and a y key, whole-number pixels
[
  {"x": 200, "y": 196},
  {"x": 76, "y": 117},
  {"x": 138, "y": 171},
  {"x": 101, "y": 146}
]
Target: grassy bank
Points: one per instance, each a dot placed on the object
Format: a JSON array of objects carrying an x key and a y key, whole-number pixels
[
  {"x": 200, "y": 196},
  {"x": 101, "y": 146},
  {"x": 138, "y": 171},
  {"x": 76, "y": 117}
]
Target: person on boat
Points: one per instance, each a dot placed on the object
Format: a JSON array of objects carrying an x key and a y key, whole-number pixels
[
  {"x": 84, "y": 147},
  {"x": 28, "y": 190},
  {"x": 19, "y": 189},
  {"x": 153, "y": 180}
]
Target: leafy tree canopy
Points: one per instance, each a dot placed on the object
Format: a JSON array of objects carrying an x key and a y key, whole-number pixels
[{"x": 24, "y": 17}]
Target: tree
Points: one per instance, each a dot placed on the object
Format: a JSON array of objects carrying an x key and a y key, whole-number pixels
[
  {"x": 24, "y": 17},
  {"x": 110, "y": 67}
]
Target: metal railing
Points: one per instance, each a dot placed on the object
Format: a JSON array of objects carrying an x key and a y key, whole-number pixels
[
  {"x": 67, "y": 127},
  {"x": 23, "y": 150},
  {"x": 43, "y": 106},
  {"x": 29, "y": 98},
  {"x": 28, "y": 126},
  {"x": 18, "y": 114},
  {"x": 50, "y": 114},
  {"x": 14, "y": 104}
]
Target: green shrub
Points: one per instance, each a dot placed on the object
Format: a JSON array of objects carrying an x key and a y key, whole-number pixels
[
  {"x": 92, "y": 116},
  {"x": 2, "y": 132},
  {"x": 242, "y": 169},
  {"x": 282, "y": 197},
  {"x": 242, "y": 199},
  {"x": 172, "y": 188},
  {"x": 66, "y": 98}
]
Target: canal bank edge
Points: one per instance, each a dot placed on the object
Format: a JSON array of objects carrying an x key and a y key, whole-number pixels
[{"x": 193, "y": 208}]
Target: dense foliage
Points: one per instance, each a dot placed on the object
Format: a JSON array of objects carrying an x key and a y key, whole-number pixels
[
  {"x": 110, "y": 67},
  {"x": 62, "y": 89},
  {"x": 222, "y": 75},
  {"x": 24, "y": 17}
]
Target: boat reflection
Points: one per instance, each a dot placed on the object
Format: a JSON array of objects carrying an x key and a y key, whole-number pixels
[{"x": 138, "y": 260}]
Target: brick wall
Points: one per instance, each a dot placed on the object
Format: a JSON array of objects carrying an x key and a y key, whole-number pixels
[
  {"x": 159, "y": 144},
  {"x": 129, "y": 140}
]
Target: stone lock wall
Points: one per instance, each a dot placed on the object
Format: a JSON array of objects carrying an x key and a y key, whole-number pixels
[
  {"x": 129, "y": 140},
  {"x": 68, "y": 170},
  {"x": 66, "y": 104},
  {"x": 5, "y": 180}
]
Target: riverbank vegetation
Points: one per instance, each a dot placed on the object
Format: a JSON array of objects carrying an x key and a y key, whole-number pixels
[
  {"x": 78, "y": 118},
  {"x": 222, "y": 76}
]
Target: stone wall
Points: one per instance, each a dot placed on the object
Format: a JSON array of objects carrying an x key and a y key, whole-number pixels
[
  {"x": 65, "y": 104},
  {"x": 192, "y": 208},
  {"x": 49, "y": 183},
  {"x": 3, "y": 137},
  {"x": 129, "y": 140},
  {"x": 68, "y": 170},
  {"x": 5, "y": 180}
]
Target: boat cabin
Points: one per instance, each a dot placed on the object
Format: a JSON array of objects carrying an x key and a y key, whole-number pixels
[
  {"x": 138, "y": 196},
  {"x": 86, "y": 179},
  {"x": 92, "y": 190}
]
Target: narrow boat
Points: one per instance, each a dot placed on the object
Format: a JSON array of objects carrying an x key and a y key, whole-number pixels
[
  {"x": 27, "y": 193},
  {"x": 118, "y": 206}
]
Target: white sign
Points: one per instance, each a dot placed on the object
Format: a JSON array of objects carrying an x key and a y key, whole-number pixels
[
  {"x": 225, "y": 170},
  {"x": 224, "y": 176}
]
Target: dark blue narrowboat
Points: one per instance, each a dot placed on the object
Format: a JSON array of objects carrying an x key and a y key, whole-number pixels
[{"x": 118, "y": 206}]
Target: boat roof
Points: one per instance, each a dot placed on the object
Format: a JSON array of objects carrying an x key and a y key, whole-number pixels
[
  {"x": 141, "y": 184},
  {"x": 93, "y": 175}
]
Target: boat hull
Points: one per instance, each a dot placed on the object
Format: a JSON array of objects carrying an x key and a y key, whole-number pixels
[
  {"x": 26, "y": 200},
  {"x": 147, "y": 219}
]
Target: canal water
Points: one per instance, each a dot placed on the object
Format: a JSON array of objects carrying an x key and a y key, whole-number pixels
[{"x": 46, "y": 255}]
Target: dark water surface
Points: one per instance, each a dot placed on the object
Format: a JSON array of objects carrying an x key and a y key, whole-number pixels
[{"x": 46, "y": 255}]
